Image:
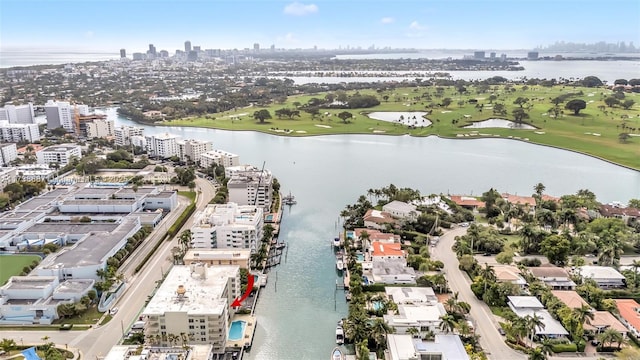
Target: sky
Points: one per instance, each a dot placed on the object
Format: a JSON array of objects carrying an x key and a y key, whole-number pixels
[{"x": 108, "y": 25}]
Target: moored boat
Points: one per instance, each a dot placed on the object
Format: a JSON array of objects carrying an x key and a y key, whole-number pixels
[
  {"x": 339, "y": 263},
  {"x": 337, "y": 354},
  {"x": 339, "y": 335},
  {"x": 336, "y": 242}
]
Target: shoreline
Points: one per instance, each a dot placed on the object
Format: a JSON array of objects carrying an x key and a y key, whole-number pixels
[{"x": 407, "y": 134}]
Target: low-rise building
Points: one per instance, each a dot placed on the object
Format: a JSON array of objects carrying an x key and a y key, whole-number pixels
[
  {"x": 194, "y": 300},
  {"x": 605, "y": 277},
  {"x": 59, "y": 154},
  {"x": 629, "y": 311},
  {"x": 443, "y": 347},
  {"x": 221, "y": 157},
  {"x": 19, "y": 132},
  {"x": 524, "y": 306},
  {"x": 386, "y": 251},
  {"x": 391, "y": 271},
  {"x": 554, "y": 277},
  {"x": 401, "y": 210},
  {"x": 7, "y": 176},
  {"x": 133, "y": 352},
  {"x": 467, "y": 202},
  {"x": 570, "y": 298},
  {"x": 603, "y": 320},
  {"x": 411, "y": 295},
  {"x": 376, "y": 219},
  {"x": 618, "y": 211},
  {"x": 510, "y": 274},
  {"x": 213, "y": 257},
  {"x": 425, "y": 318}
]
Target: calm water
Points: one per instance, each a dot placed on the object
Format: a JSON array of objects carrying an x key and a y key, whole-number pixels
[{"x": 296, "y": 311}]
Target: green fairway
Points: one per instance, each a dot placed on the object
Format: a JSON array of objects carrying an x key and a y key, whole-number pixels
[
  {"x": 11, "y": 265},
  {"x": 595, "y": 131}
]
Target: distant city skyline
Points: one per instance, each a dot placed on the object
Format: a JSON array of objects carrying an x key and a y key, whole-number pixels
[{"x": 111, "y": 25}]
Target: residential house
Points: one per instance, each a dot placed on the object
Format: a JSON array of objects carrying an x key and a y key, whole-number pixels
[
  {"x": 411, "y": 295},
  {"x": 381, "y": 251},
  {"x": 508, "y": 273},
  {"x": 524, "y": 306},
  {"x": 629, "y": 311},
  {"x": 443, "y": 347},
  {"x": 425, "y": 318},
  {"x": 618, "y": 211},
  {"x": 605, "y": 277},
  {"x": 376, "y": 219},
  {"x": 570, "y": 298},
  {"x": 528, "y": 201},
  {"x": 467, "y": 202},
  {"x": 603, "y": 320},
  {"x": 401, "y": 210},
  {"x": 554, "y": 277}
]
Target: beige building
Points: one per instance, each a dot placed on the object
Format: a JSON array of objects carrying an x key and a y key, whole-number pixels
[
  {"x": 251, "y": 188},
  {"x": 193, "y": 300},
  {"x": 237, "y": 257},
  {"x": 219, "y": 157},
  {"x": 191, "y": 150},
  {"x": 99, "y": 128}
]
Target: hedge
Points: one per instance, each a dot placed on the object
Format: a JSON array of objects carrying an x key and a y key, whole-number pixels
[
  {"x": 173, "y": 230},
  {"x": 571, "y": 347}
]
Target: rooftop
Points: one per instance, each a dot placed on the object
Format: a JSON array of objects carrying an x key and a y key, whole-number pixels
[
  {"x": 604, "y": 319},
  {"x": 599, "y": 272},
  {"x": 386, "y": 249},
  {"x": 549, "y": 271},
  {"x": 404, "y": 295},
  {"x": 628, "y": 309},
  {"x": 525, "y": 302},
  {"x": 30, "y": 282},
  {"x": 569, "y": 298},
  {"x": 204, "y": 295}
]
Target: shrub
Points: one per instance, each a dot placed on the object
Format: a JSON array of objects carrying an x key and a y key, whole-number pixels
[{"x": 557, "y": 348}]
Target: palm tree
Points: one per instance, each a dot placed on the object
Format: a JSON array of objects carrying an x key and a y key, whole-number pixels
[
  {"x": 610, "y": 336},
  {"x": 7, "y": 345},
  {"x": 635, "y": 265},
  {"x": 447, "y": 323},
  {"x": 582, "y": 313},
  {"x": 488, "y": 275},
  {"x": 533, "y": 322},
  {"x": 413, "y": 331},
  {"x": 379, "y": 331},
  {"x": 537, "y": 354}
]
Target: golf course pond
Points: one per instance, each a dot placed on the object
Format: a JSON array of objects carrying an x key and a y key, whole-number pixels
[
  {"x": 408, "y": 118},
  {"x": 499, "y": 123}
]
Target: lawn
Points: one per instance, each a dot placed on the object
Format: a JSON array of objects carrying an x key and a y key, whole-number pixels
[
  {"x": 91, "y": 316},
  {"x": 191, "y": 195},
  {"x": 595, "y": 131},
  {"x": 13, "y": 264}
]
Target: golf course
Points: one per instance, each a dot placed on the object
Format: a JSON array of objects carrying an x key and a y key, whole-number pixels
[{"x": 592, "y": 120}]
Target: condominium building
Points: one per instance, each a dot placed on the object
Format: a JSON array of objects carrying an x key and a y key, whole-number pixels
[
  {"x": 162, "y": 145},
  {"x": 230, "y": 225},
  {"x": 19, "y": 132},
  {"x": 18, "y": 114},
  {"x": 190, "y": 150},
  {"x": 219, "y": 157},
  {"x": 124, "y": 133},
  {"x": 8, "y": 153},
  {"x": 239, "y": 257},
  {"x": 59, "y": 114},
  {"x": 251, "y": 188},
  {"x": 195, "y": 301},
  {"x": 60, "y": 154},
  {"x": 99, "y": 128},
  {"x": 7, "y": 176}
]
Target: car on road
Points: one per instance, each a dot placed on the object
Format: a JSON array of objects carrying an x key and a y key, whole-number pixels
[
  {"x": 113, "y": 311},
  {"x": 464, "y": 224},
  {"x": 501, "y": 331},
  {"x": 66, "y": 326}
]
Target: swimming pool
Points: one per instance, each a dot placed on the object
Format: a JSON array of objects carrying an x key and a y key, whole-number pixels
[
  {"x": 236, "y": 331},
  {"x": 377, "y": 305},
  {"x": 359, "y": 257},
  {"x": 351, "y": 234},
  {"x": 268, "y": 217}
]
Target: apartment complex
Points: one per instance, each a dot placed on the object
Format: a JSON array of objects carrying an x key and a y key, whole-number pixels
[
  {"x": 60, "y": 154},
  {"x": 162, "y": 145},
  {"x": 123, "y": 134},
  {"x": 8, "y": 153},
  {"x": 18, "y": 114},
  {"x": 62, "y": 114},
  {"x": 253, "y": 187},
  {"x": 219, "y": 157},
  {"x": 227, "y": 226},
  {"x": 98, "y": 128},
  {"x": 193, "y": 300},
  {"x": 19, "y": 132},
  {"x": 191, "y": 150}
]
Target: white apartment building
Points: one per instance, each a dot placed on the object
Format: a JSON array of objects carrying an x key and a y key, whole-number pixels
[
  {"x": 19, "y": 132},
  {"x": 251, "y": 188},
  {"x": 193, "y": 300},
  {"x": 7, "y": 176},
  {"x": 190, "y": 150},
  {"x": 59, "y": 114},
  {"x": 100, "y": 128},
  {"x": 18, "y": 114},
  {"x": 34, "y": 172},
  {"x": 60, "y": 154},
  {"x": 123, "y": 134},
  {"x": 219, "y": 157},
  {"x": 162, "y": 145},
  {"x": 227, "y": 226},
  {"x": 8, "y": 153}
]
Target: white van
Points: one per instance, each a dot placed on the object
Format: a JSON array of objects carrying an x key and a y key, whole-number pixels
[{"x": 138, "y": 325}]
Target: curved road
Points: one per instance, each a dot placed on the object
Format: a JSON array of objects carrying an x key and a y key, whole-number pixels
[{"x": 95, "y": 343}]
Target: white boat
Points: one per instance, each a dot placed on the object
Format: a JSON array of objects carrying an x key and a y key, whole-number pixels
[
  {"x": 337, "y": 354},
  {"x": 339, "y": 263},
  {"x": 336, "y": 242},
  {"x": 339, "y": 335}
]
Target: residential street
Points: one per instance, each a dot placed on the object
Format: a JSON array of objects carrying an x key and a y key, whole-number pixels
[{"x": 96, "y": 342}]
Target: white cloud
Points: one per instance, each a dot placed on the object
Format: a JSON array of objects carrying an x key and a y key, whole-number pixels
[
  {"x": 387, "y": 20},
  {"x": 300, "y": 9},
  {"x": 289, "y": 38},
  {"x": 88, "y": 34},
  {"x": 416, "y": 26}
]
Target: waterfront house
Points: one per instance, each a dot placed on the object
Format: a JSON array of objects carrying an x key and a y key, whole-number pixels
[
  {"x": 618, "y": 211},
  {"x": 510, "y": 274},
  {"x": 603, "y": 320},
  {"x": 401, "y": 210},
  {"x": 411, "y": 295},
  {"x": 425, "y": 318},
  {"x": 570, "y": 298},
  {"x": 524, "y": 306},
  {"x": 605, "y": 277},
  {"x": 629, "y": 311},
  {"x": 392, "y": 271},
  {"x": 554, "y": 277},
  {"x": 443, "y": 347},
  {"x": 529, "y": 201},
  {"x": 467, "y": 202},
  {"x": 376, "y": 219}
]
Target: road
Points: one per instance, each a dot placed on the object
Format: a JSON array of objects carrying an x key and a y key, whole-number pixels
[
  {"x": 95, "y": 343},
  {"x": 484, "y": 321}
]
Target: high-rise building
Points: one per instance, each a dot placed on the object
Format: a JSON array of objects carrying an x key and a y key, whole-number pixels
[
  {"x": 19, "y": 132},
  {"x": 256, "y": 47},
  {"x": 138, "y": 56},
  {"x": 187, "y": 46},
  {"x": 162, "y": 145},
  {"x": 8, "y": 153},
  {"x": 123, "y": 53},
  {"x": 18, "y": 114},
  {"x": 251, "y": 188},
  {"x": 152, "y": 49},
  {"x": 478, "y": 55},
  {"x": 532, "y": 55},
  {"x": 190, "y": 150},
  {"x": 227, "y": 226},
  {"x": 192, "y": 55},
  {"x": 59, "y": 114},
  {"x": 164, "y": 54},
  {"x": 99, "y": 128},
  {"x": 197, "y": 48}
]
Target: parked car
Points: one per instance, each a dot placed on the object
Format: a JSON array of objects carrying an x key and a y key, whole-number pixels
[
  {"x": 501, "y": 331},
  {"x": 113, "y": 311},
  {"x": 66, "y": 326}
]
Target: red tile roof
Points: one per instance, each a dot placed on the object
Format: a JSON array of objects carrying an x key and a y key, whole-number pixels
[
  {"x": 627, "y": 309},
  {"x": 515, "y": 199},
  {"x": 384, "y": 249},
  {"x": 463, "y": 200}
]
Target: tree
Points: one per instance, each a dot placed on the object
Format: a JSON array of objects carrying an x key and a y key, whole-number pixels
[
  {"x": 627, "y": 104},
  {"x": 591, "y": 81},
  {"x": 446, "y": 102},
  {"x": 628, "y": 353},
  {"x": 7, "y": 345},
  {"x": 262, "y": 115},
  {"x": 345, "y": 115},
  {"x": 520, "y": 101},
  {"x": 537, "y": 354},
  {"x": 556, "y": 248},
  {"x": 505, "y": 257},
  {"x": 576, "y": 105},
  {"x": 624, "y": 137},
  {"x": 611, "y": 101},
  {"x": 519, "y": 115},
  {"x": 447, "y": 323}
]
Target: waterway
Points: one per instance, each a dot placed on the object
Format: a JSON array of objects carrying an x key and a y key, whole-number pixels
[{"x": 297, "y": 312}]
